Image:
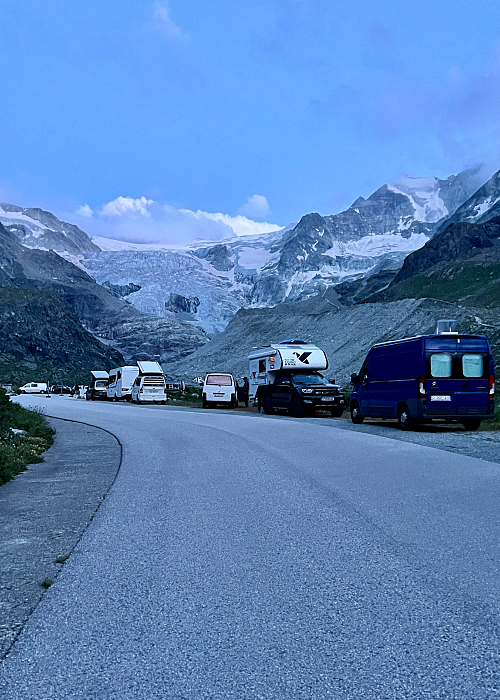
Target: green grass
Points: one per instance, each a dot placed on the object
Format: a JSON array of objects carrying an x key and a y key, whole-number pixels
[
  {"x": 494, "y": 423},
  {"x": 19, "y": 450},
  {"x": 190, "y": 398},
  {"x": 474, "y": 285}
]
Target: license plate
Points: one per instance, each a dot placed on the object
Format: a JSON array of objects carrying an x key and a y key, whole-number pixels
[
  {"x": 152, "y": 391},
  {"x": 439, "y": 397},
  {"x": 327, "y": 398}
]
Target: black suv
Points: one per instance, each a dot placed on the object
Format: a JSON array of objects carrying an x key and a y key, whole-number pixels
[{"x": 301, "y": 394}]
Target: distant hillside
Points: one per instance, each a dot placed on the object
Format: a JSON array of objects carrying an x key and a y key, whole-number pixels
[{"x": 42, "y": 340}]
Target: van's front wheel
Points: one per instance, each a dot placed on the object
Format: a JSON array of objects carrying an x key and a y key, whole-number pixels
[
  {"x": 404, "y": 419},
  {"x": 356, "y": 416}
]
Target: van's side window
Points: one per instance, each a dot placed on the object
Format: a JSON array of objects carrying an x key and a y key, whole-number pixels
[
  {"x": 441, "y": 364},
  {"x": 472, "y": 365}
]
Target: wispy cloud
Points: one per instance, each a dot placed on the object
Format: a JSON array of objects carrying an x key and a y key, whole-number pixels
[{"x": 163, "y": 23}]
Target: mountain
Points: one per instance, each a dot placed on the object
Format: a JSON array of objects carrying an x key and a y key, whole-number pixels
[
  {"x": 101, "y": 311},
  {"x": 370, "y": 239},
  {"x": 36, "y": 228},
  {"x": 205, "y": 283},
  {"x": 374, "y": 235},
  {"x": 42, "y": 340},
  {"x": 462, "y": 261}
]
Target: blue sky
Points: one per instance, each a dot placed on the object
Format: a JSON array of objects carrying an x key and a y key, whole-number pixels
[{"x": 134, "y": 118}]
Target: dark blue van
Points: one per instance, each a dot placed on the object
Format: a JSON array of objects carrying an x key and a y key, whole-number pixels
[{"x": 416, "y": 380}]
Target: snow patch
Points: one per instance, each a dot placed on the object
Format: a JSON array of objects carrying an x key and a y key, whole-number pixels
[{"x": 423, "y": 193}]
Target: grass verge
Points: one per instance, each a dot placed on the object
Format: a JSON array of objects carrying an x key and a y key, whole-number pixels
[{"x": 18, "y": 449}]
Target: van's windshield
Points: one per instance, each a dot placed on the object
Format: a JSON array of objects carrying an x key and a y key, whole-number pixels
[
  {"x": 101, "y": 384},
  {"x": 219, "y": 379},
  {"x": 311, "y": 378}
]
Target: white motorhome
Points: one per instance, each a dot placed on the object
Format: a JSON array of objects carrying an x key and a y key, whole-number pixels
[
  {"x": 120, "y": 382},
  {"x": 219, "y": 387},
  {"x": 285, "y": 376},
  {"x": 149, "y": 386}
]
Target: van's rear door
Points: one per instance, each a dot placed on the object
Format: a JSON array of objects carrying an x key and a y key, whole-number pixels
[{"x": 457, "y": 374}]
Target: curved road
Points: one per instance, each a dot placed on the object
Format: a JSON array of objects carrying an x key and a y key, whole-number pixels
[{"x": 238, "y": 556}]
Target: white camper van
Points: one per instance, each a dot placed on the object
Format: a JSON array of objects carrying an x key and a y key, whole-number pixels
[
  {"x": 285, "y": 377},
  {"x": 149, "y": 385},
  {"x": 120, "y": 382},
  {"x": 219, "y": 387},
  {"x": 98, "y": 385},
  {"x": 34, "y": 388}
]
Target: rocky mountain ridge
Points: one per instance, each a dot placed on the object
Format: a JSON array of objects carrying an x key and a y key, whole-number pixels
[
  {"x": 37, "y": 228},
  {"x": 372, "y": 237},
  {"x": 105, "y": 314}
]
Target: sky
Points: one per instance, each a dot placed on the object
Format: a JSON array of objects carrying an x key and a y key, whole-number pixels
[{"x": 171, "y": 121}]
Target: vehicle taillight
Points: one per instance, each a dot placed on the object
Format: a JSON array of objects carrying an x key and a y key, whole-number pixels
[
  {"x": 141, "y": 390},
  {"x": 421, "y": 385},
  {"x": 492, "y": 384}
]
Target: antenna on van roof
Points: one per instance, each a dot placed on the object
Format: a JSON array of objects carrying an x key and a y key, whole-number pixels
[{"x": 446, "y": 327}]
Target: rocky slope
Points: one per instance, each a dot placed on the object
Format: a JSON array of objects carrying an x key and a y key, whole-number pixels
[
  {"x": 104, "y": 313},
  {"x": 482, "y": 206},
  {"x": 42, "y": 340},
  {"x": 345, "y": 334},
  {"x": 462, "y": 263},
  {"x": 37, "y": 228}
]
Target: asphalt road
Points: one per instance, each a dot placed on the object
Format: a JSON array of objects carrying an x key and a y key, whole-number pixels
[{"x": 238, "y": 556}]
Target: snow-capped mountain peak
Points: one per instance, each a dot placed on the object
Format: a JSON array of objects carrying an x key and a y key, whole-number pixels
[{"x": 424, "y": 195}]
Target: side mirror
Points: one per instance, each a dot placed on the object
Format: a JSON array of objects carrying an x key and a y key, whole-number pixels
[{"x": 354, "y": 379}]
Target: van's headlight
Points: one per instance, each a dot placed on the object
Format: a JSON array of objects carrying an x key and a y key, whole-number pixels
[{"x": 307, "y": 391}]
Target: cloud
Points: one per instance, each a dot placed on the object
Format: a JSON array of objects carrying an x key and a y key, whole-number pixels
[
  {"x": 85, "y": 210},
  {"x": 127, "y": 205},
  {"x": 256, "y": 207},
  {"x": 142, "y": 220},
  {"x": 240, "y": 225},
  {"x": 162, "y": 22}
]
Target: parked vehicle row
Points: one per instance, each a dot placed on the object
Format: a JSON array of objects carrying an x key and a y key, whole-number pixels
[{"x": 445, "y": 376}]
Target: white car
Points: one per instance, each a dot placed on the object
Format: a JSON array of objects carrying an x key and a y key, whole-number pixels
[
  {"x": 34, "y": 388},
  {"x": 219, "y": 388}
]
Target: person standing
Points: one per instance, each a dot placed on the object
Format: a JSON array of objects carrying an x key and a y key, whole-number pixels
[{"x": 244, "y": 390}]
